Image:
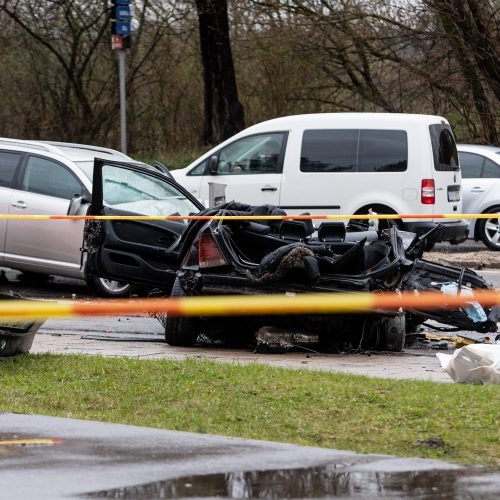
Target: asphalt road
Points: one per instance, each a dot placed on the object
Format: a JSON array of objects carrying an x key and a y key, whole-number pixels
[{"x": 47, "y": 457}]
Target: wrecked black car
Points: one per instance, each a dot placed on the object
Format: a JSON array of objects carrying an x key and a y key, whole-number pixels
[{"x": 218, "y": 257}]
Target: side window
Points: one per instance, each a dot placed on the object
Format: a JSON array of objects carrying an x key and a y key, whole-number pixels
[
  {"x": 44, "y": 176},
  {"x": 382, "y": 151},
  {"x": 471, "y": 165},
  {"x": 257, "y": 154},
  {"x": 8, "y": 165},
  {"x": 491, "y": 169},
  {"x": 444, "y": 148},
  {"x": 329, "y": 151},
  {"x": 199, "y": 169}
]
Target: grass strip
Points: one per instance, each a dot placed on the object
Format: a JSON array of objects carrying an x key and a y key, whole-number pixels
[{"x": 367, "y": 415}]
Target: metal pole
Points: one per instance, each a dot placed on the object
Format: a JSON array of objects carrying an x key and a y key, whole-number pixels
[{"x": 123, "y": 114}]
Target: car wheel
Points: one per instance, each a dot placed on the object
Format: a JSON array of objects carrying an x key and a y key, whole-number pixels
[
  {"x": 181, "y": 331},
  {"x": 489, "y": 231},
  {"x": 12, "y": 346},
  {"x": 110, "y": 288}
]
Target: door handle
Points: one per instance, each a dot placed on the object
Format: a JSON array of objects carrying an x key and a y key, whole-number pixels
[
  {"x": 477, "y": 190},
  {"x": 19, "y": 204},
  {"x": 269, "y": 188}
]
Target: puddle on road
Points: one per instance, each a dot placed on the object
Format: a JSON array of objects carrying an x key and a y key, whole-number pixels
[{"x": 316, "y": 482}]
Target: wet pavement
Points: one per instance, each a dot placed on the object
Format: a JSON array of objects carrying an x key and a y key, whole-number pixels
[{"x": 48, "y": 457}]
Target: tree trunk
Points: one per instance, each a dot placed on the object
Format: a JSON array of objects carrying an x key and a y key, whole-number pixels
[{"x": 224, "y": 114}]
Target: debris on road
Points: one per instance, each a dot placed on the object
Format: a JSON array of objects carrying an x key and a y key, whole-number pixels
[
  {"x": 16, "y": 337},
  {"x": 479, "y": 363}
]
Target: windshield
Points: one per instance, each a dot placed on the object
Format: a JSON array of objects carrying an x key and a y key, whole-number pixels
[{"x": 143, "y": 194}]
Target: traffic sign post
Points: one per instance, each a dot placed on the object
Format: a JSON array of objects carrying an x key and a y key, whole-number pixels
[{"x": 121, "y": 30}]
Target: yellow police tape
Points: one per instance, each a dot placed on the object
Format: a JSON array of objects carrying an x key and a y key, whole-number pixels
[
  {"x": 249, "y": 217},
  {"x": 239, "y": 305}
]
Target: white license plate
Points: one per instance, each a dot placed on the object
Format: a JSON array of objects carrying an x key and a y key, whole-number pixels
[{"x": 453, "y": 195}]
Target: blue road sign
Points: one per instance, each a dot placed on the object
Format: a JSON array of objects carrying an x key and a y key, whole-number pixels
[
  {"x": 121, "y": 28},
  {"x": 121, "y": 12},
  {"x": 121, "y": 2}
]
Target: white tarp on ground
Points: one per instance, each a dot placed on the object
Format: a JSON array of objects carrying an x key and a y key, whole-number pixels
[{"x": 478, "y": 363}]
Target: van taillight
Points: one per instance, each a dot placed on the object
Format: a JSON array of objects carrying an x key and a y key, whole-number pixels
[
  {"x": 428, "y": 192},
  {"x": 209, "y": 253}
]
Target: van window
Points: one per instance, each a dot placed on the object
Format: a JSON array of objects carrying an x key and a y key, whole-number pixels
[
  {"x": 354, "y": 151},
  {"x": 254, "y": 154},
  {"x": 329, "y": 151},
  {"x": 199, "y": 169},
  {"x": 382, "y": 151},
  {"x": 444, "y": 148}
]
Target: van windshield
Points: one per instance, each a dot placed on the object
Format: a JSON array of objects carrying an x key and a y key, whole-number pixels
[{"x": 444, "y": 148}]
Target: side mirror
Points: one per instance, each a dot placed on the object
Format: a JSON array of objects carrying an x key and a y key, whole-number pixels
[
  {"x": 213, "y": 165},
  {"x": 76, "y": 204}
]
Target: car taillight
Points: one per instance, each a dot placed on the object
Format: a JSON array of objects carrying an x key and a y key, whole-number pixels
[
  {"x": 209, "y": 253},
  {"x": 428, "y": 192}
]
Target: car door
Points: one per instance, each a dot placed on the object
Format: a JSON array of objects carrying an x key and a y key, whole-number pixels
[
  {"x": 143, "y": 252},
  {"x": 45, "y": 187},
  {"x": 9, "y": 163},
  {"x": 480, "y": 176},
  {"x": 250, "y": 168}
]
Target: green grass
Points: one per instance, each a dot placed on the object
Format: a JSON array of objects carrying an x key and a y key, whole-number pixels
[{"x": 304, "y": 407}]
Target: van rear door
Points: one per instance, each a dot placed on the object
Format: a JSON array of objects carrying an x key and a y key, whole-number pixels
[{"x": 447, "y": 175}]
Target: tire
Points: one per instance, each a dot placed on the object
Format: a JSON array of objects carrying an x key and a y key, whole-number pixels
[
  {"x": 12, "y": 346},
  {"x": 489, "y": 230},
  {"x": 110, "y": 288},
  {"x": 181, "y": 331}
]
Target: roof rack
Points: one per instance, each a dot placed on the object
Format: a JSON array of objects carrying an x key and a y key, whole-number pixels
[
  {"x": 88, "y": 147},
  {"x": 27, "y": 144}
]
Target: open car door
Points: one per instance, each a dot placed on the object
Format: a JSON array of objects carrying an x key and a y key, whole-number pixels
[{"x": 136, "y": 251}]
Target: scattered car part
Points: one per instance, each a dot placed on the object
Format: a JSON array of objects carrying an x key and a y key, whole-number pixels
[{"x": 16, "y": 337}]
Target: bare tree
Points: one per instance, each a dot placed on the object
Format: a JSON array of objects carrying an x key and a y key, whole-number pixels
[
  {"x": 472, "y": 30},
  {"x": 224, "y": 115}
]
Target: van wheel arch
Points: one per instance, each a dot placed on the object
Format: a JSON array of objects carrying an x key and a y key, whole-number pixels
[{"x": 380, "y": 209}]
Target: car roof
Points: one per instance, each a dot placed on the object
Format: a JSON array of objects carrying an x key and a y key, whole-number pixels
[
  {"x": 71, "y": 151},
  {"x": 479, "y": 148},
  {"x": 366, "y": 119}
]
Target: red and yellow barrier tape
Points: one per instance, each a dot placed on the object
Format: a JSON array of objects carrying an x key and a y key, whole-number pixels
[
  {"x": 240, "y": 305},
  {"x": 247, "y": 217}
]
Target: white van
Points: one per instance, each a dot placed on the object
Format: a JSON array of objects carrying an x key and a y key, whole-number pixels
[{"x": 341, "y": 163}]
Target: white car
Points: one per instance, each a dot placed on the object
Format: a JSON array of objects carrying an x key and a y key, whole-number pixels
[
  {"x": 480, "y": 167},
  {"x": 42, "y": 178}
]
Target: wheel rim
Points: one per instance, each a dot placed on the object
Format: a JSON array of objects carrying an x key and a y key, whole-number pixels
[
  {"x": 492, "y": 231},
  {"x": 113, "y": 286}
]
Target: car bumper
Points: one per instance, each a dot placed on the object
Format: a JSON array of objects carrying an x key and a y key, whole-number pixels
[{"x": 454, "y": 232}]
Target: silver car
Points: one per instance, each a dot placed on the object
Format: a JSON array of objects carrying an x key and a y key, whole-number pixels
[
  {"x": 480, "y": 167},
  {"x": 41, "y": 178}
]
